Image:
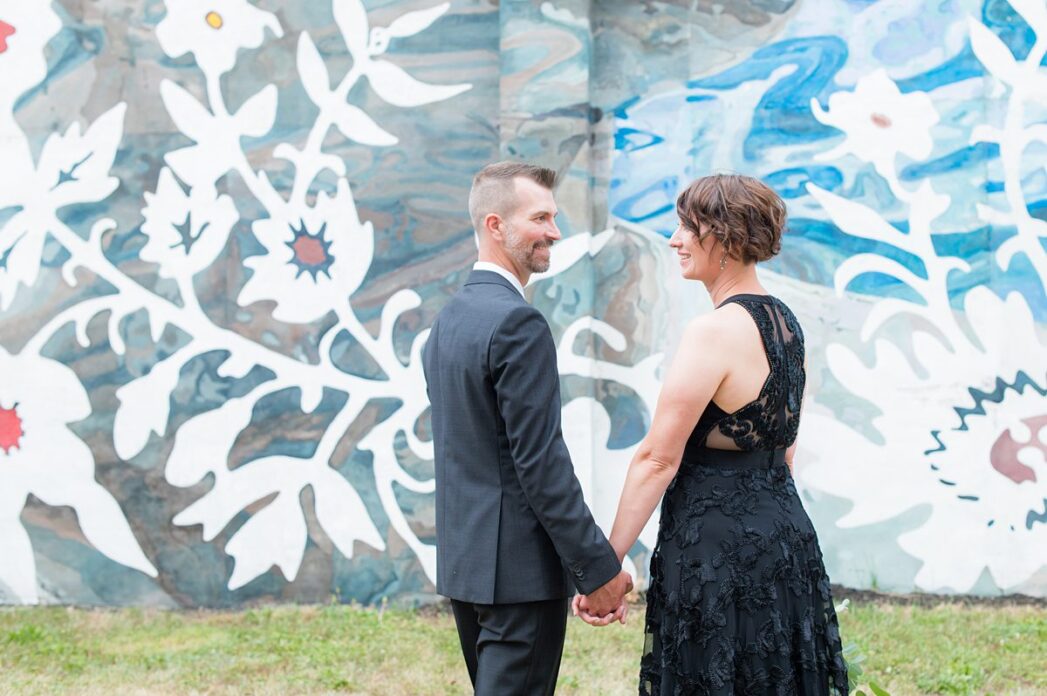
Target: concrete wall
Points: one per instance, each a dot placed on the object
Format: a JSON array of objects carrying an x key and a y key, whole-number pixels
[{"x": 226, "y": 227}]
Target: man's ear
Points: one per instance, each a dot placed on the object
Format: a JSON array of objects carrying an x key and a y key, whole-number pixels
[{"x": 494, "y": 226}]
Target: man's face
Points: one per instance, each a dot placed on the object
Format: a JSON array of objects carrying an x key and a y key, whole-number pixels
[{"x": 531, "y": 228}]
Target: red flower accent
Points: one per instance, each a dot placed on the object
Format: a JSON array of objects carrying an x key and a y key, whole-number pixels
[
  {"x": 310, "y": 251},
  {"x": 1004, "y": 453},
  {"x": 5, "y": 31},
  {"x": 880, "y": 121},
  {"x": 10, "y": 428}
]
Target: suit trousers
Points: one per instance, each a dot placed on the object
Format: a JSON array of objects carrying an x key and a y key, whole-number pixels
[{"x": 512, "y": 648}]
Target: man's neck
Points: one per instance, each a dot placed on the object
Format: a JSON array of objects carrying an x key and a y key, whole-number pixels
[{"x": 504, "y": 263}]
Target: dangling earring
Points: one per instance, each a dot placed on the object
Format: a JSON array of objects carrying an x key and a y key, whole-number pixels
[{"x": 723, "y": 262}]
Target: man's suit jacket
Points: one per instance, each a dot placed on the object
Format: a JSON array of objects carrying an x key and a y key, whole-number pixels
[{"x": 510, "y": 518}]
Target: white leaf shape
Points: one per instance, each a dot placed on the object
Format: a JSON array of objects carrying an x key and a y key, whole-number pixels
[
  {"x": 23, "y": 246},
  {"x": 313, "y": 71},
  {"x": 186, "y": 233},
  {"x": 18, "y": 570},
  {"x": 145, "y": 406},
  {"x": 858, "y": 220},
  {"x": 351, "y": 18},
  {"x": 398, "y": 88},
  {"x": 235, "y": 490},
  {"x": 188, "y": 114},
  {"x": 411, "y": 23},
  {"x": 357, "y": 125},
  {"x": 275, "y": 535},
  {"x": 342, "y": 513},
  {"x": 75, "y": 168},
  {"x": 67, "y": 478},
  {"x": 203, "y": 443},
  {"x": 257, "y": 115},
  {"x": 993, "y": 52}
]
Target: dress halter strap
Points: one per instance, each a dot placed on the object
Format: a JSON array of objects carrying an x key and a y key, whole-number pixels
[{"x": 778, "y": 340}]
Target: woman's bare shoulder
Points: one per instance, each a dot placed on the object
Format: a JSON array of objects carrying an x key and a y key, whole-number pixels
[{"x": 717, "y": 335}]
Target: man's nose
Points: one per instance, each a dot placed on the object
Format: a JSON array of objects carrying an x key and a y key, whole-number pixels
[{"x": 555, "y": 233}]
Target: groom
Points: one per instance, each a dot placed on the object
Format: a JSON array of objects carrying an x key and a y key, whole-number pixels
[{"x": 514, "y": 536}]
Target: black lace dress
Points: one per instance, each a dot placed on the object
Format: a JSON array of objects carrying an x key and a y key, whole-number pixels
[{"x": 739, "y": 600}]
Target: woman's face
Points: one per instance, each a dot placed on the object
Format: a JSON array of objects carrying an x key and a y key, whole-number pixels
[{"x": 697, "y": 261}]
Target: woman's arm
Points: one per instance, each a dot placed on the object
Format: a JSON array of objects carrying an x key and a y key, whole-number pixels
[{"x": 697, "y": 370}]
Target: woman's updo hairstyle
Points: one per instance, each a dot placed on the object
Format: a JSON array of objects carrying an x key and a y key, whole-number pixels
[{"x": 743, "y": 213}]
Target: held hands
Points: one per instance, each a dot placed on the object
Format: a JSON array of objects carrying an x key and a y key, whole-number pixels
[{"x": 606, "y": 604}]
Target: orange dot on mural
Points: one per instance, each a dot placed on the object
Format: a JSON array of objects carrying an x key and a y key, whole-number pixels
[
  {"x": 214, "y": 20},
  {"x": 10, "y": 428}
]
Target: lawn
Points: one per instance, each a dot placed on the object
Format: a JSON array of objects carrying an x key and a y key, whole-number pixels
[{"x": 943, "y": 649}]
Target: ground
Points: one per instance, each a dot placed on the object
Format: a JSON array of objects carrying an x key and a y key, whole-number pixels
[{"x": 907, "y": 647}]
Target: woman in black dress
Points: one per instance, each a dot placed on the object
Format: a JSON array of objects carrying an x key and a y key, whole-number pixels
[{"x": 739, "y": 600}]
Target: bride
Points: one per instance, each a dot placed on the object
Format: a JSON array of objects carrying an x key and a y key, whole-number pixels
[{"x": 739, "y": 600}]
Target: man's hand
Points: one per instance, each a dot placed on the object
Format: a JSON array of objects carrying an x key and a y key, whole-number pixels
[{"x": 605, "y": 604}]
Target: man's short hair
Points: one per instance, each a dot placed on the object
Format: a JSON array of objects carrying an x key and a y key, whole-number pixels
[{"x": 492, "y": 190}]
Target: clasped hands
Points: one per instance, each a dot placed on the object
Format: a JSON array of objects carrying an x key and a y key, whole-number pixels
[{"x": 606, "y": 604}]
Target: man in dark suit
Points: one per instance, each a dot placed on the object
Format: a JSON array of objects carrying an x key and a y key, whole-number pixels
[{"x": 514, "y": 535}]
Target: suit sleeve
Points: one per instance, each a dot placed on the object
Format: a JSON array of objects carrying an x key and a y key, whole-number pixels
[{"x": 522, "y": 359}]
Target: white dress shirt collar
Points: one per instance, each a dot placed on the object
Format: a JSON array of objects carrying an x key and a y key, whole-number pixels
[{"x": 495, "y": 268}]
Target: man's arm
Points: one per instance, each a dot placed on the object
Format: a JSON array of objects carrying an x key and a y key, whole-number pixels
[{"x": 522, "y": 359}]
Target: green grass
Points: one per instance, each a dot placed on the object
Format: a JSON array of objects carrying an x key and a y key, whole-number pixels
[{"x": 946, "y": 649}]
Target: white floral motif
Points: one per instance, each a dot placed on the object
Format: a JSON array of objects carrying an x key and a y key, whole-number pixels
[
  {"x": 315, "y": 258},
  {"x": 879, "y": 122},
  {"x": 213, "y": 31},
  {"x": 39, "y": 455}
]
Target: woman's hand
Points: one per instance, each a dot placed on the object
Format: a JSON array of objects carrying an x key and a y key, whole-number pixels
[{"x": 580, "y": 608}]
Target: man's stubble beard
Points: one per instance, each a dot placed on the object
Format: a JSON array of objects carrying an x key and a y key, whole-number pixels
[{"x": 524, "y": 255}]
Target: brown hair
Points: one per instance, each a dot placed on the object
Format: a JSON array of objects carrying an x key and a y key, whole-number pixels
[
  {"x": 744, "y": 214},
  {"x": 492, "y": 190}
]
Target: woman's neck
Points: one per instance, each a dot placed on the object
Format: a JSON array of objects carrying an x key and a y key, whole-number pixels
[{"x": 735, "y": 281}]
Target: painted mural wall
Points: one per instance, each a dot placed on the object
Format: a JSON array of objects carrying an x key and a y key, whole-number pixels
[{"x": 225, "y": 228}]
